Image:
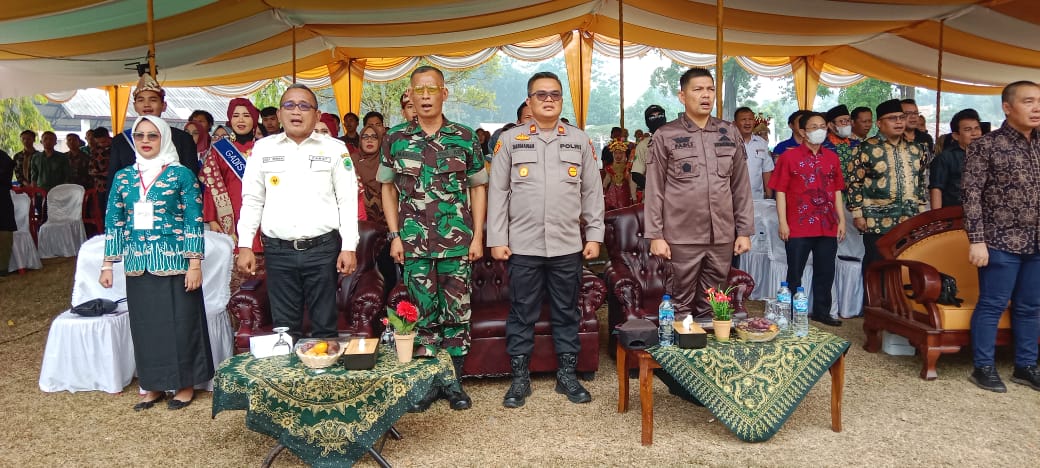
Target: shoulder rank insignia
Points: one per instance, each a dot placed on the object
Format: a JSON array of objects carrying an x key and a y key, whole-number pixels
[
  {"x": 498, "y": 146},
  {"x": 522, "y": 136}
]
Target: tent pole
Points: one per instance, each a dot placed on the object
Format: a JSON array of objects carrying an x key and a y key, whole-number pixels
[
  {"x": 294, "y": 54},
  {"x": 621, "y": 54},
  {"x": 151, "y": 39},
  {"x": 939, "y": 79},
  {"x": 719, "y": 83}
]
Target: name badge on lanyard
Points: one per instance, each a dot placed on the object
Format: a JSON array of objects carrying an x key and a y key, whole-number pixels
[{"x": 144, "y": 210}]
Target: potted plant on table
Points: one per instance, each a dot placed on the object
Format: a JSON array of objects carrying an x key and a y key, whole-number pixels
[
  {"x": 403, "y": 320},
  {"x": 721, "y": 311}
]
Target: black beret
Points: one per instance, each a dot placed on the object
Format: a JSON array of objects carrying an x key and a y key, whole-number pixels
[
  {"x": 836, "y": 111},
  {"x": 891, "y": 106}
]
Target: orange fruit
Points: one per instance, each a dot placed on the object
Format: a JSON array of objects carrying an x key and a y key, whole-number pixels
[{"x": 320, "y": 348}]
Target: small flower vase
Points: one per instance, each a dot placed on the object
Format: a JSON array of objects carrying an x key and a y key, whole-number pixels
[
  {"x": 404, "y": 344},
  {"x": 722, "y": 328}
]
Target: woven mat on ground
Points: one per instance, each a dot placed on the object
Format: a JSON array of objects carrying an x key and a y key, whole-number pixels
[
  {"x": 752, "y": 387},
  {"x": 328, "y": 418}
]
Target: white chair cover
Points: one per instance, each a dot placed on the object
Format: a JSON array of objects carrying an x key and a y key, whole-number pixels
[
  {"x": 73, "y": 340},
  {"x": 847, "y": 292},
  {"x": 23, "y": 250},
  {"x": 63, "y": 232}
]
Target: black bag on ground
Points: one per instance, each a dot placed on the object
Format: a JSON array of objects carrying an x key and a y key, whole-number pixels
[{"x": 96, "y": 307}]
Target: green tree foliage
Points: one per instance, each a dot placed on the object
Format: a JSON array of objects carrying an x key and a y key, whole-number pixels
[
  {"x": 469, "y": 98},
  {"x": 270, "y": 95},
  {"x": 18, "y": 114},
  {"x": 869, "y": 92}
]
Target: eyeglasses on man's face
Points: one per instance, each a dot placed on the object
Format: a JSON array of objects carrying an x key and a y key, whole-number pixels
[
  {"x": 545, "y": 95},
  {"x": 894, "y": 118},
  {"x": 150, "y": 136},
  {"x": 303, "y": 106}
]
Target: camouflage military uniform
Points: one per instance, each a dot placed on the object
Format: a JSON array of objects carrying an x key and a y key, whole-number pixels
[{"x": 433, "y": 175}]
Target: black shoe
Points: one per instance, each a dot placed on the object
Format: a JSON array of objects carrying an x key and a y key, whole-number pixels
[
  {"x": 175, "y": 404},
  {"x": 987, "y": 378},
  {"x": 1028, "y": 376},
  {"x": 457, "y": 397},
  {"x": 567, "y": 382},
  {"x": 148, "y": 404},
  {"x": 424, "y": 404},
  {"x": 827, "y": 320},
  {"x": 520, "y": 389}
]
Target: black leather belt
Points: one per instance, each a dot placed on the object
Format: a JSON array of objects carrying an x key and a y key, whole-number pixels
[{"x": 300, "y": 244}]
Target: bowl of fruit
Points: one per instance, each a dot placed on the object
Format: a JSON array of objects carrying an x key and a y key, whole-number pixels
[
  {"x": 757, "y": 330},
  {"x": 318, "y": 353}
]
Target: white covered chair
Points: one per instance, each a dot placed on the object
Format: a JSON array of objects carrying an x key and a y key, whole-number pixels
[
  {"x": 756, "y": 262},
  {"x": 96, "y": 353},
  {"x": 778, "y": 258},
  {"x": 63, "y": 232},
  {"x": 848, "y": 274},
  {"x": 23, "y": 251}
]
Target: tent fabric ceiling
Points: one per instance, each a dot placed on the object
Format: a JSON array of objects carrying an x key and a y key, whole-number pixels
[{"x": 68, "y": 44}]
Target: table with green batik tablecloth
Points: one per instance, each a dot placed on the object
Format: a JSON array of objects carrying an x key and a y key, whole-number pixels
[
  {"x": 752, "y": 388},
  {"x": 329, "y": 418}
]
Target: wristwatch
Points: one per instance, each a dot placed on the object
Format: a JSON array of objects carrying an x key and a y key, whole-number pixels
[{"x": 390, "y": 236}]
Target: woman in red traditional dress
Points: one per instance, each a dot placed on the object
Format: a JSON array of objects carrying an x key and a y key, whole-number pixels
[
  {"x": 221, "y": 173},
  {"x": 619, "y": 190}
]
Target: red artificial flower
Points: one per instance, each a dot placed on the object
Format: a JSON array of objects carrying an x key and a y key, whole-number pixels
[
  {"x": 385, "y": 321},
  {"x": 407, "y": 311}
]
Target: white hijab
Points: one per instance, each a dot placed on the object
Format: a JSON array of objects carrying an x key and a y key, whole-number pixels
[{"x": 150, "y": 168}]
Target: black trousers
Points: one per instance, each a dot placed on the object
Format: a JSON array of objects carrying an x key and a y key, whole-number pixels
[
  {"x": 303, "y": 278},
  {"x": 529, "y": 278},
  {"x": 823, "y": 250}
]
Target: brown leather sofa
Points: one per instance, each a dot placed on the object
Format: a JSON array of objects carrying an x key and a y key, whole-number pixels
[
  {"x": 490, "y": 304},
  {"x": 903, "y": 289},
  {"x": 359, "y": 296},
  {"x": 636, "y": 280}
]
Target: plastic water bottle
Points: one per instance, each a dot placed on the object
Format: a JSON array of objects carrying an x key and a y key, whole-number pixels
[
  {"x": 783, "y": 302},
  {"x": 665, "y": 318},
  {"x": 801, "y": 312}
]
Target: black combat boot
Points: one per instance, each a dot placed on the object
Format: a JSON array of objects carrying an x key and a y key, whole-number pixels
[
  {"x": 566, "y": 380},
  {"x": 520, "y": 389},
  {"x": 431, "y": 396},
  {"x": 454, "y": 393}
]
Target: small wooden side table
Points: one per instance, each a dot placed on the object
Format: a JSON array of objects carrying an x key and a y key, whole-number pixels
[{"x": 646, "y": 388}]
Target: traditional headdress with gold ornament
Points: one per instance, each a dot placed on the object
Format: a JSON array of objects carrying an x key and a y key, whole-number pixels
[
  {"x": 147, "y": 83},
  {"x": 761, "y": 123},
  {"x": 617, "y": 145}
]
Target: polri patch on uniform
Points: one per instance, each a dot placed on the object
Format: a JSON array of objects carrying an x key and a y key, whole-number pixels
[
  {"x": 523, "y": 171},
  {"x": 522, "y": 136},
  {"x": 725, "y": 143},
  {"x": 274, "y": 181},
  {"x": 572, "y": 171},
  {"x": 498, "y": 146},
  {"x": 722, "y": 130},
  {"x": 320, "y": 158},
  {"x": 270, "y": 159}
]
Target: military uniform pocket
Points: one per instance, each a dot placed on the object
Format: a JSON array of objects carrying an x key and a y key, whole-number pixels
[
  {"x": 685, "y": 168},
  {"x": 724, "y": 160}
]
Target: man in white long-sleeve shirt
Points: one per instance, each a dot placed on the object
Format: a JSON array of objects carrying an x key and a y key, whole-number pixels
[{"x": 303, "y": 195}]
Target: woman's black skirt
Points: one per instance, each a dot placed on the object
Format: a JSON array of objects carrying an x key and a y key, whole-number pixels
[{"x": 171, "y": 339}]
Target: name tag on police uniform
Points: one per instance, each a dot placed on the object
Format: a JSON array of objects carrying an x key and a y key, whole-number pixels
[
  {"x": 320, "y": 159},
  {"x": 143, "y": 215}
]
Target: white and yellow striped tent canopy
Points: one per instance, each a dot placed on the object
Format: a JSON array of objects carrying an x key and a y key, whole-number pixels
[{"x": 69, "y": 44}]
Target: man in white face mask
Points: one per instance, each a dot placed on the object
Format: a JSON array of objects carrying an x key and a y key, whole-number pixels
[
  {"x": 808, "y": 184},
  {"x": 839, "y": 133}
]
